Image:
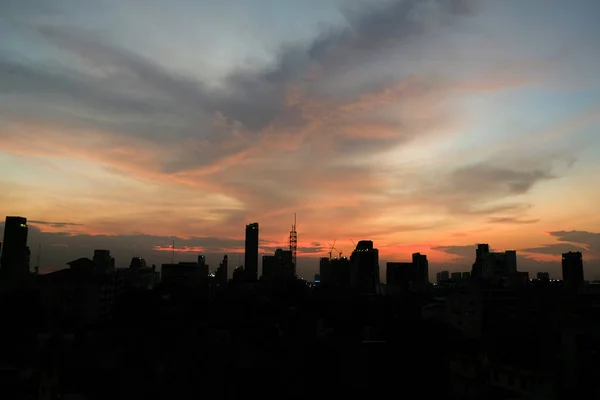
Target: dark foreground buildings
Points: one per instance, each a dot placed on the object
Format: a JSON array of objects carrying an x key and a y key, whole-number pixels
[{"x": 94, "y": 331}]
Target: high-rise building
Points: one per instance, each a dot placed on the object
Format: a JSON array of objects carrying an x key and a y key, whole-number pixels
[
  {"x": 400, "y": 275},
  {"x": 482, "y": 250},
  {"x": 15, "y": 253},
  {"x": 324, "y": 269},
  {"x": 203, "y": 266},
  {"x": 251, "y": 252},
  {"x": 494, "y": 266},
  {"x": 104, "y": 261},
  {"x": 365, "y": 268},
  {"x": 184, "y": 273},
  {"x": 511, "y": 261},
  {"x": 279, "y": 266},
  {"x": 572, "y": 269},
  {"x": 221, "y": 275},
  {"x": 422, "y": 268},
  {"x": 442, "y": 276},
  {"x": 543, "y": 276},
  {"x": 137, "y": 263}
]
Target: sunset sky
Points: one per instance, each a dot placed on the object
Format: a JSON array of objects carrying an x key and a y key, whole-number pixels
[{"x": 423, "y": 125}]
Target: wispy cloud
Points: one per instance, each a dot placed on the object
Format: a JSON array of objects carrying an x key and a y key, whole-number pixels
[
  {"x": 54, "y": 224},
  {"x": 511, "y": 220}
]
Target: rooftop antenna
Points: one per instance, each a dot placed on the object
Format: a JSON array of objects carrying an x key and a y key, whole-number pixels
[
  {"x": 173, "y": 250},
  {"x": 294, "y": 241}
]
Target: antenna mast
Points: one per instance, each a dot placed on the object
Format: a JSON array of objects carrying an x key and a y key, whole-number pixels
[
  {"x": 294, "y": 243},
  {"x": 173, "y": 251}
]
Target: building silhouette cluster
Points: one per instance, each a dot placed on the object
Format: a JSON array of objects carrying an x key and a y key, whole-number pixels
[{"x": 93, "y": 330}]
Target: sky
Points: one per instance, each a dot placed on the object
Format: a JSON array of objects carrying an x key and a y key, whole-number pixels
[{"x": 423, "y": 125}]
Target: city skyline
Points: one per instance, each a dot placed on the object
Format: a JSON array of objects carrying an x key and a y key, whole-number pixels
[
  {"x": 306, "y": 267},
  {"x": 424, "y": 129}
]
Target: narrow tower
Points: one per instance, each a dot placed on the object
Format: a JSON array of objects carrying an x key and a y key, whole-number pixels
[{"x": 294, "y": 243}]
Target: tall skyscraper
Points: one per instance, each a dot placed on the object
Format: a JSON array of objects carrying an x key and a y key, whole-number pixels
[
  {"x": 325, "y": 269},
  {"x": 15, "y": 253},
  {"x": 251, "y": 253},
  {"x": 203, "y": 266},
  {"x": 221, "y": 275},
  {"x": 511, "y": 261},
  {"x": 365, "y": 268},
  {"x": 572, "y": 269},
  {"x": 422, "y": 268}
]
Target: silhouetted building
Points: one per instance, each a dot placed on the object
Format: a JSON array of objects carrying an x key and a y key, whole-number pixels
[
  {"x": 251, "y": 252},
  {"x": 421, "y": 266},
  {"x": 324, "y": 269},
  {"x": 204, "y": 268},
  {"x": 456, "y": 276},
  {"x": 221, "y": 275},
  {"x": 103, "y": 260},
  {"x": 189, "y": 274},
  {"x": 480, "y": 254},
  {"x": 572, "y": 270},
  {"x": 139, "y": 275},
  {"x": 492, "y": 266},
  {"x": 78, "y": 295},
  {"x": 364, "y": 262},
  {"x": 84, "y": 264},
  {"x": 400, "y": 276},
  {"x": 137, "y": 263},
  {"x": 15, "y": 253},
  {"x": 543, "y": 276},
  {"x": 466, "y": 276},
  {"x": 511, "y": 261},
  {"x": 442, "y": 276},
  {"x": 339, "y": 272},
  {"x": 239, "y": 274},
  {"x": 279, "y": 266}
]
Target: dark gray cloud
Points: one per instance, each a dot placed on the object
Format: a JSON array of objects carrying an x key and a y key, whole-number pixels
[
  {"x": 490, "y": 187},
  {"x": 467, "y": 251},
  {"x": 53, "y": 224},
  {"x": 482, "y": 178},
  {"x": 554, "y": 249},
  {"x": 511, "y": 220},
  {"x": 586, "y": 242},
  {"x": 590, "y": 240},
  {"x": 130, "y": 95}
]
